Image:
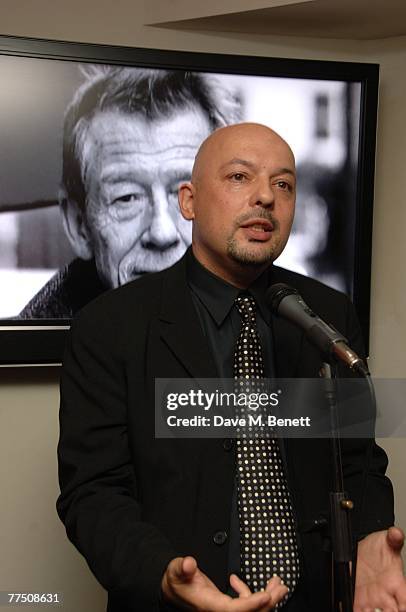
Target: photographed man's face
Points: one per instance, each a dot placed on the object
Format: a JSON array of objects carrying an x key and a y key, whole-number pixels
[{"x": 133, "y": 168}]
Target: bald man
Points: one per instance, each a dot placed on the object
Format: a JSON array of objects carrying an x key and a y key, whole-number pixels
[{"x": 159, "y": 520}]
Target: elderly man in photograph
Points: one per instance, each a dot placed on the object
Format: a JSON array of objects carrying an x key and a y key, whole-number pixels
[
  {"x": 220, "y": 525},
  {"x": 130, "y": 138}
]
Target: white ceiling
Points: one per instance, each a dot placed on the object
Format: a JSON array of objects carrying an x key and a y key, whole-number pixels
[
  {"x": 127, "y": 21},
  {"x": 352, "y": 19}
]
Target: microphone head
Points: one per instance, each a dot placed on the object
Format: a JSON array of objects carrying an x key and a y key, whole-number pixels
[{"x": 275, "y": 294}]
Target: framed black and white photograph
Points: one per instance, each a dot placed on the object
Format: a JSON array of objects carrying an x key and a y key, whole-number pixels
[{"x": 95, "y": 141}]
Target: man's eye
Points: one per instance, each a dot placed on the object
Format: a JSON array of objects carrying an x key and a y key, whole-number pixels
[
  {"x": 128, "y": 198},
  {"x": 238, "y": 176},
  {"x": 284, "y": 185}
]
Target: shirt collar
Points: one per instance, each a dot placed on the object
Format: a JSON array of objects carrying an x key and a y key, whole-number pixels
[{"x": 217, "y": 295}]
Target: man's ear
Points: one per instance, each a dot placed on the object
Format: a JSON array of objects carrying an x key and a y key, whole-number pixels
[
  {"x": 186, "y": 200},
  {"x": 75, "y": 225}
]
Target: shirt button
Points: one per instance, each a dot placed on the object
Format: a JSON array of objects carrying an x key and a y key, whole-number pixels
[
  {"x": 220, "y": 537},
  {"x": 320, "y": 522},
  {"x": 228, "y": 444}
]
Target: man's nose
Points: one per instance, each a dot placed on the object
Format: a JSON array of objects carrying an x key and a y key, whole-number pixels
[
  {"x": 162, "y": 231},
  {"x": 263, "y": 195}
]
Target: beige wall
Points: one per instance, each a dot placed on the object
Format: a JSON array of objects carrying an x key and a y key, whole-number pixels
[{"x": 34, "y": 553}]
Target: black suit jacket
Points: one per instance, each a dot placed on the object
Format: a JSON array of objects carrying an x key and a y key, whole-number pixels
[{"x": 131, "y": 502}]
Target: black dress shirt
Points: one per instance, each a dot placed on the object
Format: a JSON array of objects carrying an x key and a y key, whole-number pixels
[{"x": 221, "y": 323}]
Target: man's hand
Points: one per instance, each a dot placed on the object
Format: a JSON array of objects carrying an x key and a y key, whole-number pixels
[
  {"x": 275, "y": 588},
  {"x": 185, "y": 586},
  {"x": 380, "y": 583}
]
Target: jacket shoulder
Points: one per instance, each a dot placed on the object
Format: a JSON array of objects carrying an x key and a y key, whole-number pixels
[{"x": 138, "y": 295}]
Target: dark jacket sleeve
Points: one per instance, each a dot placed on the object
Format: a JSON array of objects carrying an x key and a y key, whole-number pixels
[
  {"x": 98, "y": 501},
  {"x": 365, "y": 463}
]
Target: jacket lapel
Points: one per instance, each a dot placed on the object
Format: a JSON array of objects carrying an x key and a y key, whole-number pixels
[
  {"x": 180, "y": 327},
  {"x": 288, "y": 341},
  {"x": 181, "y": 330}
]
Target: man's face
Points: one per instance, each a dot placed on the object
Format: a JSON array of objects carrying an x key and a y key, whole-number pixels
[
  {"x": 133, "y": 168},
  {"x": 241, "y": 199}
]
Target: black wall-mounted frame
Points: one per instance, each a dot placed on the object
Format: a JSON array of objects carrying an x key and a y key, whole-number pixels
[{"x": 40, "y": 341}]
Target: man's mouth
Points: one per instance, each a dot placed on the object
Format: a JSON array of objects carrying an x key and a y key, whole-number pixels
[
  {"x": 258, "y": 229},
  {"x": 262, "y": 224}
]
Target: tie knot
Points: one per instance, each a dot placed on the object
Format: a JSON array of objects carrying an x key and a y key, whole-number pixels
[{"x": 246, "y": 307}]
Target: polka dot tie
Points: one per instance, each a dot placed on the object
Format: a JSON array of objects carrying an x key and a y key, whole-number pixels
[{"x": 267, "y": 531}]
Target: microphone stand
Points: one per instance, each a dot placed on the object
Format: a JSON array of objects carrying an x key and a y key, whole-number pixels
[{"x": 340, "y": 507}]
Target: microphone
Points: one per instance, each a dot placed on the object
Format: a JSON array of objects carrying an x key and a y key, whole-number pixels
[{"x": 285, "y": 301}]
